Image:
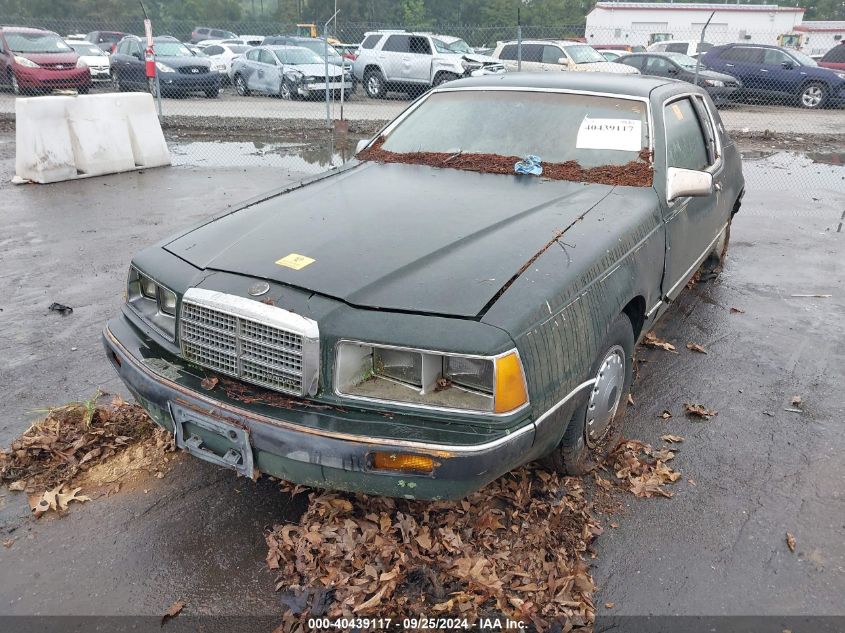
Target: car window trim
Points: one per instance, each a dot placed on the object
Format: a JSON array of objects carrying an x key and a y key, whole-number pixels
[{"x": 717, "y": 164}]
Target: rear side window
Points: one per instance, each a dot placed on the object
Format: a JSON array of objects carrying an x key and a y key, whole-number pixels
[
  {"x": 397, "y": 44},
  {"x": 218, "y": 34},
  {"x": 835, "y": 55},
  {"x": 265, "y": 57},
  {"x": 774, "y": 56},
  {"x": 370, "y": 41},
  {"x": 419, "y": 46},
  {"x": 532, "y": 53},
  {"x": 743, "y": 54},
  {"x": 509, "y": 51},
  {"x": 213, "y": 50},
  {"x": 633, "y": 60},
  {"x": 657, "y": 66},
  {"x": 685, "y": 138}
]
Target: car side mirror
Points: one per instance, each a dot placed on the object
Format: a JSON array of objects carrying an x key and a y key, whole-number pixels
[
  {"x": 564, "y": 61},
  {"x": 136, "y": 55},
  {"x": 362, "y": 144},
  {"x": 787, "y": 65},
  {"x": 687, "y": 182}
]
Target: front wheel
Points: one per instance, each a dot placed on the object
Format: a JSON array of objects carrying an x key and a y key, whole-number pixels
[
  {"x": 813, "y": 96},
  {"x": 374, "y": 84},
  {"x": 286, "y": 91},
  {"x": 240, "y": 86},
  {"x": 596, "y": 426}
]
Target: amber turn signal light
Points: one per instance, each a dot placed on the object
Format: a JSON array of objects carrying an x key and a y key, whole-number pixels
[
  {"x": 403, "y": 462},
  {"x": 510, "y": 384}
]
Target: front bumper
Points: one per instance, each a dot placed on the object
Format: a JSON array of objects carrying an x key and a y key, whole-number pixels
[
  {"x": 99, "y": 75},
  {"x": 52, "y": 78},
  {"x": 316, "y": 448},
  {"x": 723, "y": 94},
  {"x": 181, "y": 83}
]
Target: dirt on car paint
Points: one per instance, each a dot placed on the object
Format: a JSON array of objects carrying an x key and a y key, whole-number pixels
[{"x": 636, "y": 173}]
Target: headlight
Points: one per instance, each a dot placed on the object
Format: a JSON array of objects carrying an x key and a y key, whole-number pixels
[
  {"x": 153, "y": 302},
  {"x": 23, "y": 61},
  {"x": 480, "y": 384},
  {"x": 840, "y": 75},
  {"x": 309, "y": 79},
  {"x": 715, "y": 83},
  {"x": 164, "y": 68},
  {"x": 80, "y": 63}
]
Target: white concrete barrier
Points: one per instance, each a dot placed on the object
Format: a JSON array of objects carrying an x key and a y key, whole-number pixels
[{"x": 65, "y": 137}]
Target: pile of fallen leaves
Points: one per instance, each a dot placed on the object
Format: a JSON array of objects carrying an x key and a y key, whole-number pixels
[
  {"x": 70, "y": 440},
  {"x": 643, "y": 468},
  {"x": 511, "y": 550}
]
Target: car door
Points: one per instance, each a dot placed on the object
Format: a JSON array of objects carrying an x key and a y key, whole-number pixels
[
  {"x": 120, "y": 62},
  {"x": 416, "y": 66},
  {"x": 743, "y": 62},
  {"x": 693, "y": 224},
  {"x": 659, "y": 67},
  {"x": 248, "y": 67},
  {"x": 135, "y": 64},
  {"x": 268, "y": 72},
  {"x": 780, "y": 74},
  {"x": 551, "y": 57},
  {"x": 394, "y": 51}
]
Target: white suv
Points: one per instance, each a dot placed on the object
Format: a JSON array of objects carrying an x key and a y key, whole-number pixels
[
  {"x": 688, "y": 47},
  {"x": 543, "y": 55},
  {"x": 408, "y": 61}
]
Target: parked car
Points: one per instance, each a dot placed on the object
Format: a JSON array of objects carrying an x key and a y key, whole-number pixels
[
  {"x": 201, "y": 33},
  {"x": 317, "y": 45},
  {"x": 692, "y": 48},
  {"x": 222, "y": 56},
  {"x": 289, "y": 72},
  {"x": 348, "y": 51},
  {"x": 610, "y": 55},
  {"x": 180, "y": 72},
  {"x": 554, "y": 55},
  {"x": 35, "y": 60},
  {"x": 773, "y": 72},
  {"x": 252, "y": 40},
  {"x": 95, "y": 58},
  {"x": 106, "y": 40},
  {"x": 306, "y": 345},
  {"x": 721, "y": 87},
  {"x": 834, "y": 58},
  {"x": 625, "y": 48},
  {"x": 413, "y": 62}
]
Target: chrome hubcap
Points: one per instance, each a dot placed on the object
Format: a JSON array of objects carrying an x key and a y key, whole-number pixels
[
  {"x": 812, "y": 96},
  {"x": 373, "y": 84},
  {"x": 605, "y": 395}
]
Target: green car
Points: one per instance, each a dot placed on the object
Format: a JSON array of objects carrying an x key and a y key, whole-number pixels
[{"x": 462, "y": 298}]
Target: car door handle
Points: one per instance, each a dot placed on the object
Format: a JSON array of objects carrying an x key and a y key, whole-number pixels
[
  {"x": 729, "y": 65},
  {"x": 763, "y": 70}
]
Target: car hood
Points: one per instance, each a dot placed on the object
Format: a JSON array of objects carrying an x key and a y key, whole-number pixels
[
  {"x": 606, "y": 67},
  {"x": 396, "y": 237},
  {"x": 178, "y": 61},
  {"x": 318, "y": 70},
  {"x": 712, "y": 74},
  {"x": 481, "y": 59},
  {"x": 49, "y": 58}
]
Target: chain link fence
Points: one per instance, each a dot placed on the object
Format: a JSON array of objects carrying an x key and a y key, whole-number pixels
[{"x": 264, "y": 93}]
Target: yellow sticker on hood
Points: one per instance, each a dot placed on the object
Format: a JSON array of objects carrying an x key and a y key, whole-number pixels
[{"x": 295, "y": 261}]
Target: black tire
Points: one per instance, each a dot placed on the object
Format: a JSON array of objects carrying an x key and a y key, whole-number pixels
[
  {"x": 581, "y": 450},
  {"x": 115, "y": 82},
  {"x": 212, "y": 93},
  {"x": 442, "y": 78},
  {"x": 813, "y": 95},
  {"x": 240, "y": 85},
  {"x": 286, "y": 91},
  {"x": 374, "y": 84},
  {"x": 84, "y": 90}
]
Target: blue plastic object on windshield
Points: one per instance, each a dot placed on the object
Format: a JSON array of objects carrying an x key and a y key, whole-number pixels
[{"x": 529, "y": 165}]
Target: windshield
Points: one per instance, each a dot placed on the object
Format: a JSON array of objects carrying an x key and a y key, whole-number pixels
[
  {"x": 583, "y": 54},
  {"x": 86, "y": 48},
  {"x": 319, "y": 48},
  {"x": 172, "y": 49},
  {"x": 592, "y": 130},
  {"x": 297, "y": 56},
  {"x": 441, "y": 47},
  {"x": 459, "y": 46},
  {"x": 682, "y": 60},
  {"x": 803, "y": 59},
  {"x": 36, "y": 43}
]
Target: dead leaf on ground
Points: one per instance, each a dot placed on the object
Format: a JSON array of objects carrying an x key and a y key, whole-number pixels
[
  {"x": 174, "y": 610},
  {"x": 209, "y": 382},
  {"x": 671, "y": 438},
  {"x": 797, "y": 401},
  {"x": 737, "y": 311},
  {"x": 608, "y": 605},
  {"x": 8, "y": 543},
  {"x": 643, "y": 468},
  {"x": 695, "y": 347},
  {"x": 790, "y": 542},
  {"x": 699, "y": 410},
  {"x": 631, "y": 400},
  {"x": 666, "y": 414},
  {"x": 651, "y": 340}
]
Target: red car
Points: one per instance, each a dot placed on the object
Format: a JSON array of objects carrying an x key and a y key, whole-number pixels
[
  {"x": 834, "y": 58},
  {"x": 34, "y": 60}
]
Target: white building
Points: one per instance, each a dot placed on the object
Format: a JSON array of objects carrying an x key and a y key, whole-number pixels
[
  {"x": 641, "y": 23},
  {"x": 818, "y": 37}
]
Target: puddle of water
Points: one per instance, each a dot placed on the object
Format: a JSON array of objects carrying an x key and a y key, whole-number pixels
[
  {"x": 304, "y": 157},
  {"x": 790, "y": 171}
]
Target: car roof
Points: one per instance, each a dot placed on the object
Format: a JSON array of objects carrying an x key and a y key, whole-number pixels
[
  {"x": 610, "y": 83},
  {"x": 283, "y": 47},
  {"x": 542, "y": 41},
  {"x": 749, "y": 45},
  {"x": 23, "y": 29}
]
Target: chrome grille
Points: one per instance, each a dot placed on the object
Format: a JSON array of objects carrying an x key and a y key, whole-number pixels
[{"x": 255, "y": 342}]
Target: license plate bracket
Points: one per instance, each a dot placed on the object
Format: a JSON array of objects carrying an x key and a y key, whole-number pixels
[{"x": 213, "y": 440}]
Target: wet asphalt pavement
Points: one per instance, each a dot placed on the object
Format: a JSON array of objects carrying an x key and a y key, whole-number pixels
[{"x": 717, "y": 547}]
